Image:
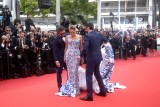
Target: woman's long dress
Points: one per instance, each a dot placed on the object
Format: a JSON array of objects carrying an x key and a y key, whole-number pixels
[
  {"x": 107, "y": 66},
  {"x": 71, "y": 87},
  {"x": 106, "y": 69}
]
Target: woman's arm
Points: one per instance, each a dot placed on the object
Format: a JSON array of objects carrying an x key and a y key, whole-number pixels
[
  {"x": 66, "y": 47},
  {"x": 81, "y": 43}
]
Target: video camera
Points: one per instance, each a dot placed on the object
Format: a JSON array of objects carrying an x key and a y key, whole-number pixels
[
  {"x": 5, "y": 9},
  {"x": 8, "y": 41}
]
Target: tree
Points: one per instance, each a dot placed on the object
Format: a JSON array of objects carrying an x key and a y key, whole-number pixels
[
  {"x": 31, "y": 6},
  {"x": 76, "y": 10}
]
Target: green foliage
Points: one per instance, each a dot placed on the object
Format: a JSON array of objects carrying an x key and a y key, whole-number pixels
[
  {"x": 31, "y": 6},
  {"x": 76, "y": 10}
]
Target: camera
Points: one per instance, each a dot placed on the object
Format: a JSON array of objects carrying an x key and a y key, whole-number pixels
[
  {"x": 5, "y": 10},
  {"x": 7, "y": 41}
]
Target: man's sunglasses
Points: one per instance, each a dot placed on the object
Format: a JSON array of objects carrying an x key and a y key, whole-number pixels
[{"x": 62, "y": 33}]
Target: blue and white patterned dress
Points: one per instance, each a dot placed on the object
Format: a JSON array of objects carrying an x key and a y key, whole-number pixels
[
  {"x": 106, "y": 69},
  {"x": 71, "y": 87},
  {"x": 107, "y": 66}
]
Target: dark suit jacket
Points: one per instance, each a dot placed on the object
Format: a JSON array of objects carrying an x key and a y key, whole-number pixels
[
  {"x": 28, "y": 23},
  {"x": 4, "y": 48},
  {"x": 51, "y": 42},
  {"x": 18, "y": 44},
  {"x": 58, "y": 48},
  {"x": 32, "y": 45},
  {"x": 92, "y": 44}
]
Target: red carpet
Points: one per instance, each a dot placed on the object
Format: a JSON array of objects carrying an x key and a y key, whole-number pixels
[{"x": 140, "y": 76}]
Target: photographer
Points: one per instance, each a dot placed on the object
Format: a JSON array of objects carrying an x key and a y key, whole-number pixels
[
  {"x": 16, "y": 28},
  {"x": 21, "y": 48},
  {"x": 5, "y": 44},
  {"x": 6, "y": 13},
  {"x": 6, "y": 57},
  {"x": 45, "y": 53},
  {"x": 65, "y": 23},
  {"x": 32, "y": 43},
  {"x": 29, "y": 23},
  {"x": 7, "y": 33}
]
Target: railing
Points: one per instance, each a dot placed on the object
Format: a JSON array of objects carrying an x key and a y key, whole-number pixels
[{"x": 129, "y": 9}]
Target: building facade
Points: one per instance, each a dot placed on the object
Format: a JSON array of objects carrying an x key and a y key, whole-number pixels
[{"x": 126, "y": 12}]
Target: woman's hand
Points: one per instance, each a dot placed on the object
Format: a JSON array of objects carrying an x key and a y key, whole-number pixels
[
  {"x": 81, "y": 61},
  {"x": 65, "y": 59},
  {"x": 79, "y": 58}
]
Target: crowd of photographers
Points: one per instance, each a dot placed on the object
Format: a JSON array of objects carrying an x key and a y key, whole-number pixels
[
  {"x": 24, "y": 52},
  {"x": 129, "y": 43}
]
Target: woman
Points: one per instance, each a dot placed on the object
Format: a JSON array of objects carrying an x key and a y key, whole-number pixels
[
  {"x": 72, "y": 58},
  {"x": 106, "y": 69}
]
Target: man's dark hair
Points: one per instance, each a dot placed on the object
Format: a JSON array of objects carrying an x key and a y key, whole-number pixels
[
  {"x": 17, "y": 20},
  {"x": 60, "y": 28},
  {"x": 22, "y": 32},
  {"x": 7, "y": 27},
  {"x": 90, "y": 25}
]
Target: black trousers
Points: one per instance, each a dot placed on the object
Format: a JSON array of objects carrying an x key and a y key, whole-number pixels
[
  {"x": 133, "y": 52},
  {"x": 144, "y": 50},
  {"x": 5, "y": 70},
  {"x": 59, "y": 73},
  {"x": 93, "y": 67}
]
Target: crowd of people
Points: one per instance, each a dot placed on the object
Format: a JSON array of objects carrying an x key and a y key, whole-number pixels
[
  {"x": 29, "y": 51},
  {"x": 130, "y": 42},
  {"x": 24, "y": 52}
]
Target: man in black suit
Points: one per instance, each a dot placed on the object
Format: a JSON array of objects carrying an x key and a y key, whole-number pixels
[
  {"x": 29, "y": 23},
  {"x": 58, "y": 52},
  {"x": 65, "y": 24},
  {"x": 6, "y": 58},
  {"x": 92, "y": 43},
  {"x": 6, "y": 13}
]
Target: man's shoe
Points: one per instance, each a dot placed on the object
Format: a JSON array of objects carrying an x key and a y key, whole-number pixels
[
  {"x": 103, "y": 94},
  {"x": 86, "y": 98}
]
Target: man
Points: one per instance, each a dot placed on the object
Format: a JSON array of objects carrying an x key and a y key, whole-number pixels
[
  {"x": 58, "y": 52},
  {"x": 133, "y": 46},
  {"x": 92, "y": 43},
  {"x": 65, "y": 24},
  {"x": 126, "y": 45},
  {"x": 6, "y": 13},
  {"x": 6, "y": 57},
  {"x": 29, "y": 23},
  {"x": 16, "y": 28},
  {"x": 21, "y": 57}
]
